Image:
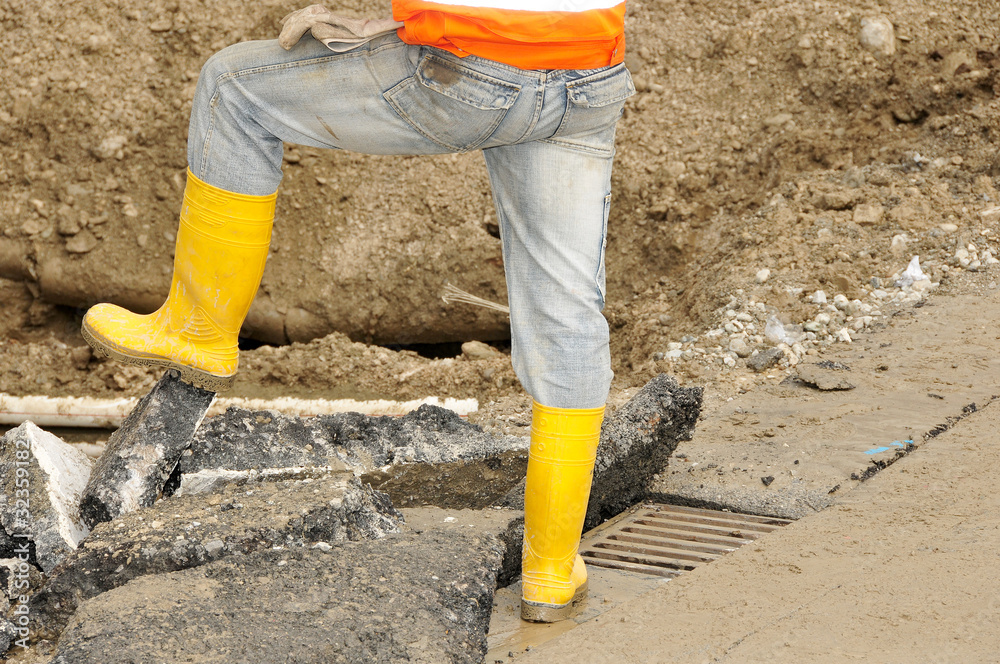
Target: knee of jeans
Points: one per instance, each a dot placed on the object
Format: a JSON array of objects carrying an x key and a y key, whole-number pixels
[{"x": 227, "y": 61}]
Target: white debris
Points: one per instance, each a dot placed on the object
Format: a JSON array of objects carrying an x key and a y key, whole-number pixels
[{"x": 878, "y": 35}]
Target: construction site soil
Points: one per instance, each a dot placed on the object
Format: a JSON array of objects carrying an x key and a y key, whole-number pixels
[{"x": 774, "y": 150}]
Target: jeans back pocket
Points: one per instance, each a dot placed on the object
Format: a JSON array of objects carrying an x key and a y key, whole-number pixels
[
  {"x": 594, "y": 103},
  {"x": 452, "y": 105}
]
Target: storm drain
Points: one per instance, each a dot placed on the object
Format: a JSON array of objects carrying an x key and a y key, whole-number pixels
[{"x": 668, "y": 540}]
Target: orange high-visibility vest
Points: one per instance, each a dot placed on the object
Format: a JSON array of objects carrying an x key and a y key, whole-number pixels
[{"x": 530, "y": 34}]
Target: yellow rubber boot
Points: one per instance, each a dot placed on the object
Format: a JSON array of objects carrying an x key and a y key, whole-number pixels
[
  {"x": 560, "y": 470},
  {"x": 222, "y": 244}
]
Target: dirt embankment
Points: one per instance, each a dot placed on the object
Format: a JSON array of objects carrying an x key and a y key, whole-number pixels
[{"x": 765, "y": 137}]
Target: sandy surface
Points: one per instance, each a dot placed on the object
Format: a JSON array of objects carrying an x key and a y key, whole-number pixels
[
  {"x": 768, "y": 156},
  {"x": 900, "y": 569},
  {"x": 889, "y": 559}
]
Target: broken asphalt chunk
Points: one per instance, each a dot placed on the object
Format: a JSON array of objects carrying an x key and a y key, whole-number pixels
[
  {"x": 430, "y": 456},
  {"x": 189, "y": 531},
  {"x": 409, "y": 598},
  {"x": 142, "y": 453},
  {"x": 41, "y": 481}
]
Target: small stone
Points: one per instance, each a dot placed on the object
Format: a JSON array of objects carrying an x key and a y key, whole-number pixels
[
  {"x": 762, "y": 275},
  {"x": 81, "y": 243},
  {"x": 766, "y": 481},
  {"x": 675, "y": 169},
  {"x": 948, "y": 228},
  {"x": 819, "y": 297},
  {"x": 663, "y": 319},
  {"x": 33, "y": 226},
  {"x": 779, "y": 120},
  {"x": 111, "y": 146},
  {"x": 836, "y": 200},
  {"x": 740, "y": 346},
  {"x": 80, "y": 357},
  {"x": 69, "y": 221},
  {"x": 868, "y": 214},
  {"x": 878, "y": 35},
  {"x": 477, "y": 350},
  {"x": 958, "y": 62},
  {"x": 214, "y": 547},
  {"x": 898, "y": 245},
  {"x": 764, "y": 360}
]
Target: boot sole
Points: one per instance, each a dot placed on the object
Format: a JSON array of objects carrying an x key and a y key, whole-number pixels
[
  {"x": 190, "y": 375},
  {"x": 550, "y": 613}
]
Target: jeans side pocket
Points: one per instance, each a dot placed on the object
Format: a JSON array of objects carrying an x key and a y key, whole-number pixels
[
  {"x": 455, "y": 107},
  {"x": 601, "y": 283},
  {"x": 593, "y": 105}
]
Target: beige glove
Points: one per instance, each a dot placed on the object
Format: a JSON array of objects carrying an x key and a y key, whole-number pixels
[{"x": 337, "y": 32}]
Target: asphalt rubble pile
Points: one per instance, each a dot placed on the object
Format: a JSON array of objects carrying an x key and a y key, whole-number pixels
[{"x": 339, "y": 538}]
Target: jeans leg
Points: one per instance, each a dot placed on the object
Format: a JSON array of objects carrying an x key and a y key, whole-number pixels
[
  {"x": 553, "y": 201},
  {"x": 253, "y": 96}
]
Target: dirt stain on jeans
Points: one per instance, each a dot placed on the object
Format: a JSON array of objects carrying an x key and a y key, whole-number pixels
[
  {"x": 446, "y": 76},
  {"x": 328, "y": 128}
]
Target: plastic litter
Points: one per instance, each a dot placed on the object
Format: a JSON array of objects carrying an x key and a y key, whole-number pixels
[
  {"x": 778, "y": 333},
  {"x": 878, "y": 450},
  {"x": 912, "y": 274}
]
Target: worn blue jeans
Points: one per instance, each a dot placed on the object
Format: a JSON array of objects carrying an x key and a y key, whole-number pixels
[{"x": 548, "y": 140}]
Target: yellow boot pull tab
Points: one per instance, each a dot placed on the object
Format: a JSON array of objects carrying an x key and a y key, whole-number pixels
[{"x": 560, "y": 469}]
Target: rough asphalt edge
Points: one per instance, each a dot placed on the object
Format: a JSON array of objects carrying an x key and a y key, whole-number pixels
[
  {"x": 112, "y": 557},
  {"x": 446, "y": 619},
  {"x": 142, "y": 453}
]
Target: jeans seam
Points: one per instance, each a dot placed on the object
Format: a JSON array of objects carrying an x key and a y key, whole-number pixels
[
  {"x": 539, "y": 105},
  {"x": 206, "y": 146},
  {"x": 356, "y": 53},
  {"x": 601, "y": 289},
  {"x": 610, "y": 152}
]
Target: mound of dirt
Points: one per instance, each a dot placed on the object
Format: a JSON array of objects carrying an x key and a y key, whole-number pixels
[{"x": 769, "y": 154}]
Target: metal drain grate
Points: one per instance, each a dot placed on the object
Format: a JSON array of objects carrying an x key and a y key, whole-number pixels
[{"x": 667, "y": 540}]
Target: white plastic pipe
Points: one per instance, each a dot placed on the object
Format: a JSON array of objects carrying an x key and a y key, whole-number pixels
[{"x": 109, "y": 413}]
